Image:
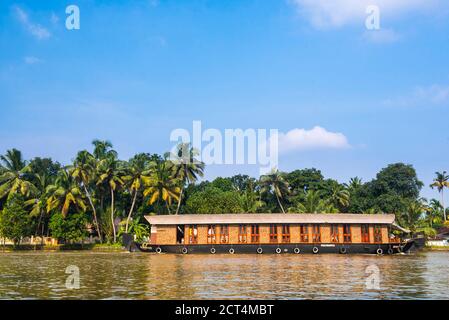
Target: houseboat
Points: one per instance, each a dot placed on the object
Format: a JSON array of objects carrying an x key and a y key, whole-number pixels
[{"x": 274, "y": 234}]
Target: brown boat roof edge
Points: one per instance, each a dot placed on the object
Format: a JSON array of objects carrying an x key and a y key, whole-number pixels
[{"x": 271, "y": 218}]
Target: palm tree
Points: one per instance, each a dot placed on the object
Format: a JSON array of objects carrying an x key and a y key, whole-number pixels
[
  {"x": 162, "y": 185},
  {"x": 339, "y": 196},
  {"x": 440, "y": 182},
  {"x": 138, "y": 174},
  {"x": 313, "y": 203},
  {"x": 38, "y": 202},
  {"x": 64, "y": 194},
  {"x": 186, "y": 167},
  {"x": 434, "y": 212},
  {"x": 15, "y": 175},
  {"x": 354, "y": 184},
  {"x": 84, "y": 172},
  {"x": 103, "y": 149},
  {"x": 275, "y": 182},
  {"x": 110, "y": 174},
  {"x": 251, "y": 201}
]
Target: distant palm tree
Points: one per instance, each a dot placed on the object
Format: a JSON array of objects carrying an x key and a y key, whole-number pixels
[
  {"x": 275, "y": 182},
  {"x": 251, "y": 201},
  {"x": 103, "y": 149},
  {"x": 354, "y": 184},
  {"x": 440, "y": 182},
  {"x": 110, "y": 173},
  {"x": 339, "y": 196},
  {"x": 162, "y": 185},
  {"x": 434, "y": 212},
  {"x": 313, "y": 203},
  {"x": 38, "y": 202},
  {"x": 137, "y": 175},
  {"x": 84, "y": 171},
  {"x": 413, "y": 214},
  {"x": 64, "y": 194},
  {"x": 187, "y": 168},
  {"x": 15, "y": 175}
]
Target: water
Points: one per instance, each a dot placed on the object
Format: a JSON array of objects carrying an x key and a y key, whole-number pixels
[{"x": 144, "y": 276}]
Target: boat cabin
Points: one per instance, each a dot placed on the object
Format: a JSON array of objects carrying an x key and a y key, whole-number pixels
[{"x": 233, "y": 231}]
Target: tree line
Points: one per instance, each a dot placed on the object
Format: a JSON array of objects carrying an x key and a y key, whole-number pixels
[{"x": 101, "y": 195}]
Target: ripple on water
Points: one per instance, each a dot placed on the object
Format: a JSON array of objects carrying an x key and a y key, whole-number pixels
[{"x": 140, "y": 276}]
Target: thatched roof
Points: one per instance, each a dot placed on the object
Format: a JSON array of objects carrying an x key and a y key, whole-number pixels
[{"x": 277, "y": 218}]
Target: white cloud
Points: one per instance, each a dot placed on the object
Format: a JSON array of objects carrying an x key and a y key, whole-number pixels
[
  {"x": 421, "y": 96},
  {"x": 32, "y": 60},
  {"x": 336, "y": 13},
  {"x": 381, "y": 36},
  {"x": 36, "y": 30},
  {"x": 315, "y": 138}
]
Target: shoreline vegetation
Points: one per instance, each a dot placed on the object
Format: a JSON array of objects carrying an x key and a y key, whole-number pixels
[
  {"x": 97, "y": 247},
  {"x": 100, "y": 197}
]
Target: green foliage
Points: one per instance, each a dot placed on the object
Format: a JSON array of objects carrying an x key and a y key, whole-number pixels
[
  {"x": 109, "y": 190},
  {"x": 140, "y": 230},
  {"x": 70, "y": 228},
  {"x": 14, "y": 219},
  {"x": 214, "y": 200}
]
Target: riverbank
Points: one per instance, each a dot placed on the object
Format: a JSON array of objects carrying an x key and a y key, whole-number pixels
[
  {"x": 437, "y": 248},
  {"x": 64, "y": 247}
]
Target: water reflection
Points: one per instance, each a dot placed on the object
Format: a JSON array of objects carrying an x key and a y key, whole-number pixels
[{"x": 143, "y": 276}]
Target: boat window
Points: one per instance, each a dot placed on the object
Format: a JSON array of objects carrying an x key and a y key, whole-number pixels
[
  {"x": 242, "y": 234},
  {"x": 335, "y": 233},
  {"x": 286, "y": 233},
  {"x": 304, "y": 233},
  {"x": 273, "y": 233},
  {"x": 255, "y": 235},
  {"x": 211, "y": 234},
  {"x": 224, "y": 234},
  {"x": 193, "y": 234},
  {"x": 377, "y": 234},
  {"x": 180, "y": 231},
  {"x": 316, "y": 233},
  {"x": 365, "y": 233},
  {"x": 347, "y": 237}
]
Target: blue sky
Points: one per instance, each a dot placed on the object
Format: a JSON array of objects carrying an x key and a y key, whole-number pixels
[{"x": 136, "y": 70}]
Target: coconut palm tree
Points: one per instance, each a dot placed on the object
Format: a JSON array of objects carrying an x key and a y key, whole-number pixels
[
  {"x": 440, "y": 182},
  {"x": 15, "y": 175},
  {"x": 110, "y": 172},
  {"x": 274, "y": 182},
  {"x": 137, "y": 175},
  {"x": 64, "y": 194},
  {"x": 250, "y": 198},
  {"x": 38, "y": 202},
  {"x": 313, "y": 203},
  {"x": 103, "y": 149},
  {"x": 84, "y": 172},
  {"x": 162, "y": 185},
  {"x": 187, "y": 168},
  {"x": 434, "y": 212},
  {"x": 354, "y": 184},
  {"x": 339, "y": 196}
]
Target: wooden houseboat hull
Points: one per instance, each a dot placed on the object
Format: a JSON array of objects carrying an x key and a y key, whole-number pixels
[
  {"x": 272, "y": 234},
  {"x": 275, "y": 249}
]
